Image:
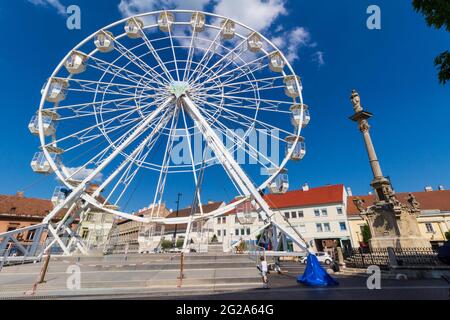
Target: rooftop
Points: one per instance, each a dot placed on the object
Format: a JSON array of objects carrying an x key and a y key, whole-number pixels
[{"x": 433, "y": 200}]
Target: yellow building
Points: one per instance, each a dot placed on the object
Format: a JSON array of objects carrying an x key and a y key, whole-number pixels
[{"x": 434, "y": 221}]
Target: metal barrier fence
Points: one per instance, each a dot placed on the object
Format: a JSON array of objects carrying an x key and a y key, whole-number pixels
[{"x": 362, "y": 258}]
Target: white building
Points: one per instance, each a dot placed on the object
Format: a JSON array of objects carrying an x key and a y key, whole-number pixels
[{"x": 320, "y": 214}]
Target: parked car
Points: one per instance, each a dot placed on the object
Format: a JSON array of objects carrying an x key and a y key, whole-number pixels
[{"x": 321, "y": 256}]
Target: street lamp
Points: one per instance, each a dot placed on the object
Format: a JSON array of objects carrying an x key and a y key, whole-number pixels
[{"x": 176, "y": 226}]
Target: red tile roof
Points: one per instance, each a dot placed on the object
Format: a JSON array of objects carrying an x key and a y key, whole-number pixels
[
  {"x": 19, "y": 206},
  {"x": 434, "y": 200},
  {"x": 300, "y": 198}
]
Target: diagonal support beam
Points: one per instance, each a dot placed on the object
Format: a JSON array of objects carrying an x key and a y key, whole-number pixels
[{"x": 236, "y": 172}]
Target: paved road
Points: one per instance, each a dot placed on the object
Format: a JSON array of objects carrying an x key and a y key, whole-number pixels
[{"x": 124, "y": 283}]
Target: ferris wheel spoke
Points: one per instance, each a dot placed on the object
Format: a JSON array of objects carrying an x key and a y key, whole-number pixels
[
  {"x": 207, "y": 56},
  {"x": 159, "y": 192},
  {"x": 99, "y": 86},
  {"x": 174, "y": 54},
  {"x": 274, "y": 103},
  {"x": 252, "y": 151},
  {"x": 239, "y": 47},
  {"x": 122, "y": 72},
  {"x": 139, "y": 62},
  {"x": 190, "y": 53},
  {"x": 155, "y": 53},
  {"x": 85, "y": 131},
  {"x": 92, "y": 104},
  {"x": 149, "y": 141},
  {"x": 250, "y": 120},
  {"x": 236, "y": 73}
]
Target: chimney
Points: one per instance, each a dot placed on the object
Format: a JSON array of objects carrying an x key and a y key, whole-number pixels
[
  {"x": 441, "y": 188},
  {"x": 349, "y": 192},
  {"x": 370, "y": 193},
  {"x": 305, "y": 187},
  {"x": 20, "y": 194},
  {"x": 428, "y": 189}
]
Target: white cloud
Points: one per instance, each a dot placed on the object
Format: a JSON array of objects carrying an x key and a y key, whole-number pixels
[
  {"x": 56, "y": 4},
  {"x": 318, "y": 57},
  {"x": 131, "y": 7},
  {"x": 82, "y": 174},
  {"x": 257, "y": 14}
]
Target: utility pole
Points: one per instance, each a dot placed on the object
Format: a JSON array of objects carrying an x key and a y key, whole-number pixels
[{"x": 176, "y": 226}]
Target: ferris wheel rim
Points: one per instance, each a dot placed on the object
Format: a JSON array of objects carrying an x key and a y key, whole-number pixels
[{"x": 57, "y": 170}]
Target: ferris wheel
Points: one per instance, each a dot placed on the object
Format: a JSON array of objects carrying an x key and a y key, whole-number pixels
[{"x": 114, "y": 109}]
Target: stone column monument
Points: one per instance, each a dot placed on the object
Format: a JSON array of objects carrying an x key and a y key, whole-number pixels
[{"x": 391, "y": 223}]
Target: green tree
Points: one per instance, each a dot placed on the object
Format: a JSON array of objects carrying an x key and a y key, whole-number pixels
[
  {"x": 447, "y": 235},
  {"x": 366, "y": 234},
  {"x": 437, "y": 14}
]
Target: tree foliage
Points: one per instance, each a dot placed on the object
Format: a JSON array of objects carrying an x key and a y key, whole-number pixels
[
  {"x": 366, "y": 234},
  {"x": 437, "y": 14}
]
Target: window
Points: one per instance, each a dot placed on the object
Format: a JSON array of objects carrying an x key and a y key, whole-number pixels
[
  {"x": 249, "y": 232},
  {"x": 317, "y": 213},
  {"x": 30, "y": 235},
  {"x": 343, "y": 226},
  {"x": 242, "y": 232},
  {"x": 224, "y": 233},
  {"x": 219, "y": 233},
  {"x": 325, "y": 212},
  {"x": 294, "y": 215},
  {"x": 224, "y": 220},
  {"x": 236, "y": 232},
  {"x": 319, "y": 227},
  {"x": 340, "y": 211},
  {"x": 327, "y": 227},
  {"x": 85, "y": 234},
  {"x": 287, "y": 215},
  {"x": 302, "y": 228},
  {"x": 430, "y": 228},
  {"x": 301, "y": 214},
  {"x": 219, "y": 220}
]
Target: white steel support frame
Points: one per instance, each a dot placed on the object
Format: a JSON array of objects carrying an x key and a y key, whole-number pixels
[
  {"x": 235, "y": 171},
  {"x": 135, "y": 94},
  {"x": 78, "y": 191}
]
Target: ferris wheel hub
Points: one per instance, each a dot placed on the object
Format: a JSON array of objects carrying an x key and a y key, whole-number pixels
[{"x": 178, "y": 88}]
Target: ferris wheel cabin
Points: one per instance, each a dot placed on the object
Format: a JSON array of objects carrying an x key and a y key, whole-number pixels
[
  {"x": 133, "y": 28},
  {"x": 280, "y": 185},
  {"x": 228, "y": 29},
  {"x": 297, "y": 115},
  {"x": 49, "y": 122},
  {"x": 40, "y": 164},
  {"x": 57, "y": 90},
  {"x": 165, "y": 21},
  {"x": 76, "y": 63},
  {"x": 254, "y": 43},
  {"x": 292, "y": 90},
  {"x": 299, "y": 150},
  {"x": 198, "y": 21},
  {"x": 104, "y": 41},
  {"x": 277, "y": 62}
]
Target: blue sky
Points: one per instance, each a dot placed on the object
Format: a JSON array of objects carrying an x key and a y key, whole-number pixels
[{"x": 392, "y": 69}]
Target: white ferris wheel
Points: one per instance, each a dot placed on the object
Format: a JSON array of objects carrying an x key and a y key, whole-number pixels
[{"x": 116, "y": 105}]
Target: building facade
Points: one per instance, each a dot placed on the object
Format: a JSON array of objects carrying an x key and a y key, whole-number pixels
[
  {"x": 434, "y": 220},
  {"x": 319, "y": 214}
]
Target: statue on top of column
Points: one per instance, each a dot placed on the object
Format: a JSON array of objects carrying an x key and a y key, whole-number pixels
[{"x": 356, "y": 100}]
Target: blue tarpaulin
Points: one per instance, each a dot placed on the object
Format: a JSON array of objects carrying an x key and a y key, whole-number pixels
[{"x": 315, "y": 275}]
